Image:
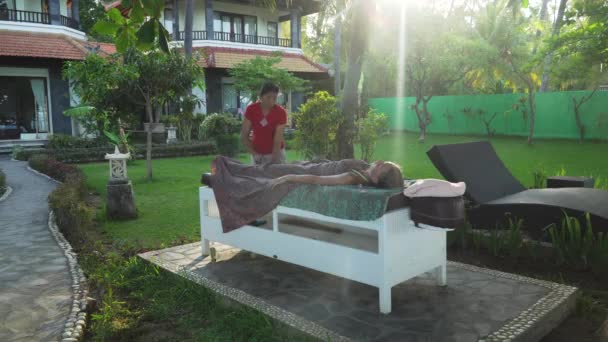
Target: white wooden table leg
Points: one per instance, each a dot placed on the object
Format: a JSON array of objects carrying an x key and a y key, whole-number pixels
[
  {"x": 275, "y": 220},
  {"x": 385, "y": 299},
  {"x": 441, "y": 276},
  {"x": 205, "y": 245}
]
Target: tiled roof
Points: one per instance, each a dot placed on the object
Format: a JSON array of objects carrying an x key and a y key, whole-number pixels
[
  {"x": 213, "y": 57},
  {"x": 30, "y": 44},
  {"x": 45, "y": 45}
]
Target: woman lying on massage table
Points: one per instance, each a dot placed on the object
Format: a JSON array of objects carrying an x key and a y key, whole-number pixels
[{"x": 380, "y": 174}]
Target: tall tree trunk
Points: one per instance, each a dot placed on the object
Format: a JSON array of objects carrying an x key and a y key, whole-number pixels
[
  {"x": 150, "y": 114},
  {"x": 337, "y": 55},
  {"x": 542, "y": 16},
  {"x": 363, "y": 9},
  {"x": 578, "y": 103},
  {"x": 579, "y": 122},
  {"x": 424, "y": 116},
  {"x": 188, "y": 28},
  {"x": 559, "y": 19},
  {"x": 532, "y": 103}
]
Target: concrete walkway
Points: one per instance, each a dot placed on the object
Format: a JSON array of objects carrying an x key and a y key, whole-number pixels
[{"x": 35, "y": 281}]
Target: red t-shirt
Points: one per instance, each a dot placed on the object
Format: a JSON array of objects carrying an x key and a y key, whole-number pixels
[{"x": 264, "y": 128}]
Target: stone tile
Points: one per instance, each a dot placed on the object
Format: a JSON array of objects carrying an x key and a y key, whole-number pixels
[{"x": 475, "y": 303}]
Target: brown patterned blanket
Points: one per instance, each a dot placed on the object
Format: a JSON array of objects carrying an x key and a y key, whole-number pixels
[{"x": 244, "y": 192}]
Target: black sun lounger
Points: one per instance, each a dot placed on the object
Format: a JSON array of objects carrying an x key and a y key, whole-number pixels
[{"x": 495, "y": 192}]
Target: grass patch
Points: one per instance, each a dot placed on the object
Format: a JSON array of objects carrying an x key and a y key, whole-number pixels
[
  {"x": 141, "y": 302},
  {"x": 169, "y": 205}
]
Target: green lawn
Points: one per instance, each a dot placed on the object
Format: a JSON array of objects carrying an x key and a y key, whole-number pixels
[{"x": 168, "y": 206}]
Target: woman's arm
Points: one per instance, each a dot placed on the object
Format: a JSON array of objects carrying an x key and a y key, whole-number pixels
[
  {"x": 278, "y": 140},
  {"x": 245, "y": 131},
  {"x": 342, "y": 179}
]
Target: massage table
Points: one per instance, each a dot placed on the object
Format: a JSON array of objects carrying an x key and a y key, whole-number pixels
[{"x": 396, "y": 248}]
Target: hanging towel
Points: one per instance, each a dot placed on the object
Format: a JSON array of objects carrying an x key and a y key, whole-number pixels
[{"x": 433, "y": 188}]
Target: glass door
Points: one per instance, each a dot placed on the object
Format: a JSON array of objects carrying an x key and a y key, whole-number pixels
[
  {"x": 237, "y": 29},
  {"x": 229, "y": 99},
  {"x": 23, "y": 107},
  {"x": 226, "y": 28},
  {"x": 40, "y": 105},
  {"x": 251, "y": 33},
  {"x": 9, "y": 129}
]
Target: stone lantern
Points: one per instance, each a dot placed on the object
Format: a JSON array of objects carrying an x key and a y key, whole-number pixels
[
  {"x": 171, "y": 135},
  {"x": 120, "y": 202}
]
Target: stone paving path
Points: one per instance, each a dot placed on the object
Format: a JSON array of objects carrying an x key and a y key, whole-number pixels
[
  {"x": 35, "y": 283},
  {"x": 476, "y": 303}
]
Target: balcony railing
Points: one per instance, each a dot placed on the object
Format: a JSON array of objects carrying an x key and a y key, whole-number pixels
[
  {"x": 69, "y": 22},
  {"x": 35, "y": 17},
  {"x": 196, "y": 35},
  {"x": 24, "y": 16},
  {"x": 238, "y": 38}
]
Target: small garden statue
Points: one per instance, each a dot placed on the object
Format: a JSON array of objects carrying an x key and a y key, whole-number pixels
[{"x": 120, "y": 202}]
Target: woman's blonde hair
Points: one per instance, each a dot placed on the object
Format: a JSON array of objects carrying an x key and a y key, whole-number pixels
[{"x": 391, "y": 177}]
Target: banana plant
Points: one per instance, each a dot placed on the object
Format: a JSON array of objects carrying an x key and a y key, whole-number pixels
[
  {"x": 141, "y": 27},
  {"x": 120, "y": 140}
]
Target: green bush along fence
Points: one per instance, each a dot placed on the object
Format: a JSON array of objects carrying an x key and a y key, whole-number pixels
[{"x": 460, "y": 114}]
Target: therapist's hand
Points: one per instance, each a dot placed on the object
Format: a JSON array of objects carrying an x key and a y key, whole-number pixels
[{"x": 276, "y": 157}]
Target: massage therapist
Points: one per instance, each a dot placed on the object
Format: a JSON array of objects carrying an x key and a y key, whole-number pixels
[{"x": 267, "y": 120}]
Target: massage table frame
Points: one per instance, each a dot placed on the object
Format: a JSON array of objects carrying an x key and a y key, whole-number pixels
[{"x": 404, "y": 250}]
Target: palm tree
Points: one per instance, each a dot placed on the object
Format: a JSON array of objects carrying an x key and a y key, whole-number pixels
[
  {"x": 504, "y": 51},
  {"x": 557, "y": 25}
]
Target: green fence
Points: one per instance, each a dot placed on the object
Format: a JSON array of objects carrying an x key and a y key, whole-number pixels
[{"x": 554, "y": 114}]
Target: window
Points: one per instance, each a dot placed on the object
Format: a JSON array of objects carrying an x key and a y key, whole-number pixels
[
  {"x": 273, "y": 30},
  {"x": 44, "y": 5},
  {"x": 234, "y": 27},
  {"x": 217, "y": 22},
  {"x": 69, "y": 9},
  {"x": 251, "y": 26}
]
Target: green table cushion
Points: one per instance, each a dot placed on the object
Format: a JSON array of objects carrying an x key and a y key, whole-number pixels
[{"x": 349, "y": 202}]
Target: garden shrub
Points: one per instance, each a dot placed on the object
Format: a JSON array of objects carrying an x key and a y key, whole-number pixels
[
  {"x": 178, "y": 150},
  {"x": 39, "y": 162},
  {"x": 369, "y": 130},
  {"x": 228, "y": 145},
  {"x": 317, "y": 125},
  {"x": 63, "y": 141},
  {"x": 216, "y": 125},
  {"x": 67, "y": 201},
  {"x": 20, "y": 153},
  {"x": 53, "y": 168},
  {"x": 87, "y": 155},
  {"x": 222, "y": 129}
]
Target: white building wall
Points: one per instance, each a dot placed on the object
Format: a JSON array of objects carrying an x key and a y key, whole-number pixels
[{"x": 263, "y": 15}]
